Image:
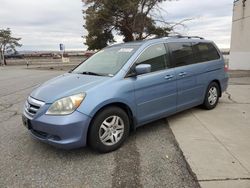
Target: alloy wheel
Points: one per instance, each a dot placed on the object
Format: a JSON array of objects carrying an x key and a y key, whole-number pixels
[
  {"x": 111, "y": 130},
  {"x": 212, "y": 95}
]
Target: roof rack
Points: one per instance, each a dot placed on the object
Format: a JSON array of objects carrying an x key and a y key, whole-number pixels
[{"x": 183, "y": 36}]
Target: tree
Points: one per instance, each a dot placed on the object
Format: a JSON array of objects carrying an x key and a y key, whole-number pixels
[
  {"x": 133, "y": 19},
  {"x": 7, "y": 42}
]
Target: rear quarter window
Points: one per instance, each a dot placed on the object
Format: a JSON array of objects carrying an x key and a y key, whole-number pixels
[{"x": 205, "y": 52}]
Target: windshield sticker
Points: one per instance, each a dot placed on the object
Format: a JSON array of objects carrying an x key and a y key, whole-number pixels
[{"x": 126, "y": 50}]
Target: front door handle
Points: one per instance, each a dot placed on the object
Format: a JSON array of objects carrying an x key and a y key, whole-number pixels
[
  {"x": 168, "y": 77},
  {"x": 182, "y": 73}
]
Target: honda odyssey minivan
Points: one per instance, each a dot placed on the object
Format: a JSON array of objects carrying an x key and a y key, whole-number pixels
[{"x": 122, "y": 87}]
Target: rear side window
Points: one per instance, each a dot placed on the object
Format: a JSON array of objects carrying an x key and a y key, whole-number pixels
[
  {"x": 155, "y": 56},
  {"x": 205, "y": 52},
  {"x": 182, "y": 54}
]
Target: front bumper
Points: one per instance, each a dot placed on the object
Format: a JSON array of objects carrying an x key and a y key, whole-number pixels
[{"x": 65, "y": 132}]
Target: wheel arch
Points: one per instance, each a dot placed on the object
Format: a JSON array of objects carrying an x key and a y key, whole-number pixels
[
  {"x": 219, "y": 84},
  {"x": 121, "y": 105}
]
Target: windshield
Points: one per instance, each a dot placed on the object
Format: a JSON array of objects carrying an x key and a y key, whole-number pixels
[{"x": 106, "y": 62}]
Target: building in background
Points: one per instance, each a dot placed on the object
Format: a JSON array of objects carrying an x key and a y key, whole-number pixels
[{"x": 240, "y": 40}]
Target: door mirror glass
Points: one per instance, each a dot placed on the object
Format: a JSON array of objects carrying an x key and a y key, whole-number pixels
[{"x": 143, "y": 69}]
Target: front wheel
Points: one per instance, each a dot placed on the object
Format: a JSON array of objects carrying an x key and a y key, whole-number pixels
[
  {"x": 108, "y": 130},
  {"x": 212, "y": 96}
]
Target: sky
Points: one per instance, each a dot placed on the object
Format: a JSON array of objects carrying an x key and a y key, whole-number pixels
[{"x": 43, "y": 25}]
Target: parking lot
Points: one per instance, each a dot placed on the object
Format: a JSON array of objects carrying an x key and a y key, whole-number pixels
[{"x": 149, "y": 158}]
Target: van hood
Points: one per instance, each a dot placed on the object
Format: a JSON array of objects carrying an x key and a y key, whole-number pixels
[{"x": 66, "y": 85}]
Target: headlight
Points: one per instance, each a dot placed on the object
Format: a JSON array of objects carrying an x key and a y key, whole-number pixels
[{"x": 66, "y": 105}]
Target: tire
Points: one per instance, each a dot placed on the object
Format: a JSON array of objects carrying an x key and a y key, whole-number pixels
[
  {"x": 212, "y": 96},
  {"x": 108, "y": 130}
]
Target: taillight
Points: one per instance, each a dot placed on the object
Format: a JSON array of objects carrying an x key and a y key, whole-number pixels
[{"x": 226, "y": 67}]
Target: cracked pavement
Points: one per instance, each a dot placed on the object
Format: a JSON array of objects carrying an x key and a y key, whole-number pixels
[{"x": 149, "y": 158}]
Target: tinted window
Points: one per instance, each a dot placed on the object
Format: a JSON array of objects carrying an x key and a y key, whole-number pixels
[
  {"x": 155, "y": 56},
  {"x": 205, "y": 52},
  {"x": 168, "y": 61},
  {"x": 182, "y": 53}
]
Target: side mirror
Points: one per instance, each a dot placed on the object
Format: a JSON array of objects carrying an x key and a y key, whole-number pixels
[{"x": 143, "y": 69}]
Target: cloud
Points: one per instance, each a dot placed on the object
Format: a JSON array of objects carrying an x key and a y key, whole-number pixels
[
  {"x": 209, "y": 19},
  {"x": 42, "y": 25}
]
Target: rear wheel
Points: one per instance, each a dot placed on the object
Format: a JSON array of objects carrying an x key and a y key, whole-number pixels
[
  {"x": 212, "y": 96},
  {"x": 109, "y": 129}
]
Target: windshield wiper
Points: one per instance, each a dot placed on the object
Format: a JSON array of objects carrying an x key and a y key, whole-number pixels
[{"x": 91, "y": 73}]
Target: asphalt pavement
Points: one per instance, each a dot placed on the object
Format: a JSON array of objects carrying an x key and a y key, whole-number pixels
[{"x": 149, "y": 158}]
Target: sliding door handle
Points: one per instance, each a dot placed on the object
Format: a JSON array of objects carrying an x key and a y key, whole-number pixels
[
  {"x": 182, "y": 73},
  {"x": 168, "y": 77}
]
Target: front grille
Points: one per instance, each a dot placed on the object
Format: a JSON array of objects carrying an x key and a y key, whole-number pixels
[{"x": 32, "y": 106}]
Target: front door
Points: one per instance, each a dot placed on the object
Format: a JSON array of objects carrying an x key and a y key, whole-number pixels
[{"x": 155, "y": 92}]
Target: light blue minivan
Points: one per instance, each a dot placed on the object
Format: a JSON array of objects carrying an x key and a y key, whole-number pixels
[{"x": 122, "y": 87}]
